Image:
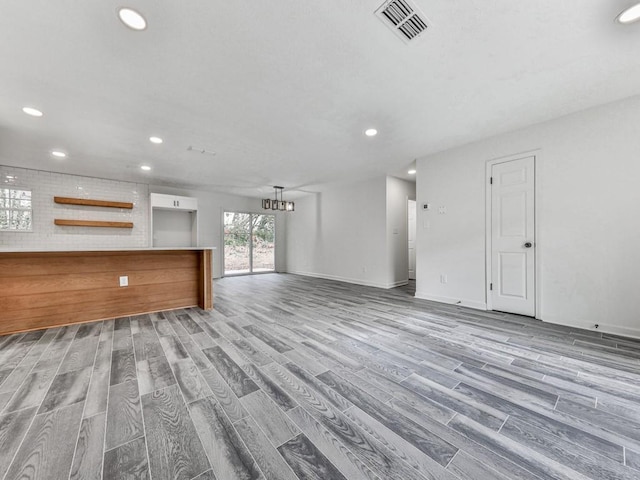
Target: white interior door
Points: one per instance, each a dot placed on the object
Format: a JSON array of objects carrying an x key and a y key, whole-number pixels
[
  {"x": 512, "y": 287},
  {"x": 411, "y": 235}
]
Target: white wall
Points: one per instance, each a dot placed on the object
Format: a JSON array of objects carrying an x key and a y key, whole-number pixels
[
  {"x": 398, "y": 192},
  {"x": 588, "y": 205},
  {"x": 47, "y": 236},
  {"x": 210, "y": 232},
  {"x": 173, "y": 228},
  {"x": 341, "y": 234},
  {"x": 355, "y": 233}
]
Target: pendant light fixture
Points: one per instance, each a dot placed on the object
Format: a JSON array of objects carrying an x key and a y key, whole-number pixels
[{"x": 278, "y": 203}]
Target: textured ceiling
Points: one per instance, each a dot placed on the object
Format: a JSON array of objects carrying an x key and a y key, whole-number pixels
[{"x": 282, "y": 91}]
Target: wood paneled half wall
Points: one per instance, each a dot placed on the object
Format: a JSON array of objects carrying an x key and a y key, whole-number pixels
[{"x": 45, "y": 289}]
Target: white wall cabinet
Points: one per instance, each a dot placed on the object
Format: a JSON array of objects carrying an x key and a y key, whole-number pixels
[
  {"x": 174, "y": 221},
  {"x": 174, "y": 202}
]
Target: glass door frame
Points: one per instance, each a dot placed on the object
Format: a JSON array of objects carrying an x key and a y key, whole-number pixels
[{"x": 250, "y": 233}]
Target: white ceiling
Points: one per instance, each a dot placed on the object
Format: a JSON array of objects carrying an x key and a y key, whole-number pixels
[{"x": 283, "y": 90}]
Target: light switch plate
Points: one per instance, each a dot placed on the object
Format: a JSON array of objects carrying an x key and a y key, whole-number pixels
[{"x": 124, "y": 281}]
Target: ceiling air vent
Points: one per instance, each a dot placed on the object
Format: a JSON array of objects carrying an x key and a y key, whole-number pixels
[{"x": 404, "y": 18}]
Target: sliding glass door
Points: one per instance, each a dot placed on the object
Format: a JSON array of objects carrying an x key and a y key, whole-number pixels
[
  {"x": 249, "y": 243},
  {"x": 263, "y": 245}
]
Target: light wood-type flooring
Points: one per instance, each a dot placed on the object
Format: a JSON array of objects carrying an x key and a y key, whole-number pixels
[{"x": 297, "y": 378}]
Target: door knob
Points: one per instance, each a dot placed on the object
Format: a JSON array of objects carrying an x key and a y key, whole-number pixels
[{"x": 528, "y": 245}]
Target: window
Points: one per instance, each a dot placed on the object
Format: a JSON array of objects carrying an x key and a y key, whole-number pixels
[{"x": 15, "y": 209}]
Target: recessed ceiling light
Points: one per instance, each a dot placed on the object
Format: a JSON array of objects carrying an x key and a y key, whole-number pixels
[
  {"x": 146, "y": 168},
  {"x": 34, "y": 112},
  {"x": 58, "y": 153},
  {"x": 371, "y": 132},
  {"x": 131, "y": 18},
  {"x": 155, "y": 139},
  {"x": 629, "y": 15},
  {"x": 411, "y": 172}
]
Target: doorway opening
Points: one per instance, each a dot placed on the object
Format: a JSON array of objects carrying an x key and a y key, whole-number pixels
[
  {"x": 249, "y": 243},
  {"x": 511, "y": 234},
  {"x": 411, "y": 236}
]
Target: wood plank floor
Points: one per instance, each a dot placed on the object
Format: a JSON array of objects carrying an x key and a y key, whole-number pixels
[{"x": 297, "y": 378}]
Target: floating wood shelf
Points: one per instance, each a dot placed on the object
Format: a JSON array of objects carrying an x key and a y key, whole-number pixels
[
  {"x": 91, "y": 223},
  {"x": 92, "y": 203}
]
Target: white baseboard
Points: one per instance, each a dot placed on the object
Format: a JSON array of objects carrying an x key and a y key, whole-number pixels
[
  {"x": 602, "y": 328},
  {"x": 452, "y": 301},
  {"x": 355, "y": 281}
]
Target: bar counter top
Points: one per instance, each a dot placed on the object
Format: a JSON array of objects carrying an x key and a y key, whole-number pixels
[{"x": 110, "y": 249}]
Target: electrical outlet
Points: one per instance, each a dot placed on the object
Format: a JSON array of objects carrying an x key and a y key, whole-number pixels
[
  {"x": 442, "y": 210},
  {"x": 124, "y": 281}
]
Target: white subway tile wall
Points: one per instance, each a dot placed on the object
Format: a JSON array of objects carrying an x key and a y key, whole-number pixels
[{"x": 47, "y": 236}]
